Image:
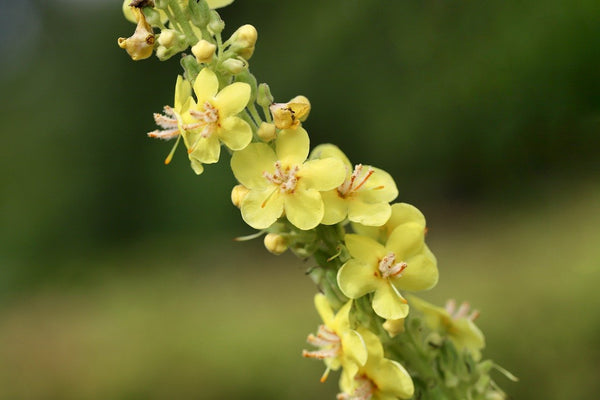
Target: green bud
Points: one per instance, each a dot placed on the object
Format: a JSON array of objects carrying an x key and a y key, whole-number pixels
[
  {"x": 216, "y": 24},
  {"x": 199, "y": 12},
  {"x": 234, "y": 66},
  {"x": 264, "y": 98},
  {"x": 191, "y": 67}
]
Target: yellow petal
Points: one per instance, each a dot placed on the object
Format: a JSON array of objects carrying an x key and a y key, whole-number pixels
[
  {"x": 356, "y": 279},
  {"x": 183, "y": 93},
  {"x": 206, "y": 85},
  {"x": 388, "y": 303},
  {"x": 354, "y": 347},
  {"x": 324, "y": 308},
  {"x": 368, "y": 214},
  {"x": 292, "y": 146},
  {"x": 392, "y": 379},
  {"x": 326, "y": 174},
  {"x": 330, "y": 150},
  {"x": 336, "y": 207},
  {"x": 196, "y": 165},
  {"x": 304, "y": 208},
  {"x": 260, "y": 208},
  {"x": 249, "y": 164},
  {"x": 380, "y": 187},
  {"x": 232, "y": 99},
  {"x": 207, "y": 150},
  {"x": 421, "y": 272},
  {"x": 218, "y": 3},
  {"x": 235, "y": 133},
  {"x": 403, "y": 213},
  {"x": 406, "y": 240},
  {"x": 364, "y": 249}
]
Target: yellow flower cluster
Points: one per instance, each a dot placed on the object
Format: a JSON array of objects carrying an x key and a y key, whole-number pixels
[{"x": 316, "y": 203}]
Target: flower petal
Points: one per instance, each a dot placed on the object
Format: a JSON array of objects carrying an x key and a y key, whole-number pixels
[
  {"x": 183, "y": 93},
  {"x": 403, "y": 213},
  {"x": 326, "y": 174},
  {"x": 249, "y": 164},
  {"x": 261, "y": 208},
  {"x": 368, "y": 214},
  {"x": 292, "y": 146},
  {"x": 336, "y": 207},
  {"x": 206, "y": 85},
  {"x": 406, "y": 240},
  {"x": 207, "y": 150},
  {"x": 388, "y": 303},
  {"x": 364, "y": 249},
  {"x": 304, "y": 208},
  {"x": 356, "y": 279},
  {"x": 235, "y": 133},
  {"x": 232, "y": 99},
  {"x": 421, "y": 272},
  {"x": 380, "y": 187},
  {"x": 330, "y": 150},
  {"x": 391, "y": 378},
  {"x": 354, "y": 347},
  {"x": 196, "y": 165},
  {"x": 324, "y": 308},
  {"x": 218, "y": 3}
]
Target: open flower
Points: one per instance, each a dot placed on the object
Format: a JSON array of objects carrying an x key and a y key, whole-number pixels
[
  {"x": 281, "y": 181},
  {"x": 402, "y": 213},
  {"x": 339, "y": 346},
  {"x": 404, "y": 263},
  {"x": 457, "y": 324},
  {"x": 379, "y": 379},
  {"x": 170, "y": 120},
  {"x": 212, "y": 119},
  {"x": 364, "y": 195}
]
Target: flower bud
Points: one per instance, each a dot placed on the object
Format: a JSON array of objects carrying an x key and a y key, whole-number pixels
[
  {"x": 264, "y": 98},
  {"x": 216, "y": 24},
  {"x": 167, "y": 37},
  {"x": 303, "y": 107},
  {"x": 238, "y": 193},
  {"x": 266, "y": 131},
  {"x": 243, "y": 41},
  {"x": 275, "y": 243},
  {"x": 234, "y": 66},
  {"x": 289, "y": 115},
  {"x": 139, "y": 45},
  {"x": 204, "y": 51},
  {"x": 394, "y": 326}
]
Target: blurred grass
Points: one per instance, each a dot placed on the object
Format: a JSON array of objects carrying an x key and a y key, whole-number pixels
[{"x": 200, "y": 321}]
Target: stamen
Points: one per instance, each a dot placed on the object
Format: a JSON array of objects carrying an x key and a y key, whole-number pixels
[
  {"x": 389, "y": 268},
  {"x": 353, "y": 184},
  {"x": 169, "y": 124},
  {"x": 208, "y": 120},
  {"x": 462, "y": 312},
  {"x": 328, "y": 342},
  {"x": 286, "y": 178},
  {"x": 363, "y": 392}
]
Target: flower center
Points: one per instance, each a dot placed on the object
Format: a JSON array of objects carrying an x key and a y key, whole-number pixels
[
  {"x": 355, "y": 182},
  {"x": 364, "y": 390},
  {"x": 327, "y": 341},
  {"x": 285, "y": 178},
  {"x": 389, "y": 268},
  {"x": 208, "y": 120}
]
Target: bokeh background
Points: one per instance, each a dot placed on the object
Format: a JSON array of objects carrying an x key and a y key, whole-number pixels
[{"x": 119, "y": 278}]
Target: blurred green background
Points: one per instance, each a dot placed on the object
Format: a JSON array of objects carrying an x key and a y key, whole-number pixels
[{"x": 119, "y": 278}]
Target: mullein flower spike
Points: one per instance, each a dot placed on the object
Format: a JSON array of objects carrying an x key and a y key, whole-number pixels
[{"x": 366, "y": 252}]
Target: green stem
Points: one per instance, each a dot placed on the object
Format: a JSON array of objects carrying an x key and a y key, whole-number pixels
[{"x": 182, "y": 21}]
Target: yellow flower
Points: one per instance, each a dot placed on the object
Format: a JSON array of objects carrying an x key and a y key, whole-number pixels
[
  {"x": 379, "y": 379},
  {"x": 402, "y": 213},
  {"x": 364, "y": 195},
  {"x": 170, "y": 121},
  {"x": 457, "y": 325},
  {"x": 213, "y": 120},
  {"x": 281, "y": 181},
  {"x": 404, "y": 263},
  {"x": 339, "y": 346}
]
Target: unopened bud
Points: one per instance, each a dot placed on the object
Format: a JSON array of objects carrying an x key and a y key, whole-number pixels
[
  {"x": 216, "y": 24},
  {"x": 266, "y": 131},
  {"x": 238, "y": 193},
  {"x": 139, "y": 45},
  {"x": 394, "y": 326},
  {"x": 302, "y": 107},
  {"x": 234, "y": 66},
  {"x": 243, "y": 41},
  {"x": 204, "y": 51},
  {"x": 167, "y": 37},
  {"x": 264, "y": 98},
  {"x": 276, "y": 243}
]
